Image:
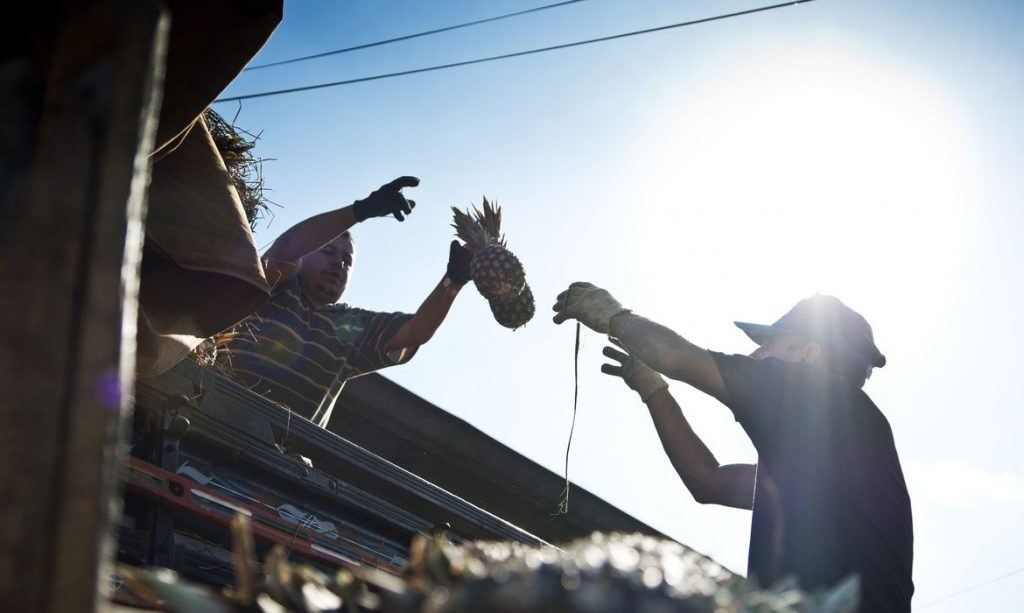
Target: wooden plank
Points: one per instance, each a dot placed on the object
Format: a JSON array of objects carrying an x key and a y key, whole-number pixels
[{"x": 69, "y": 304}]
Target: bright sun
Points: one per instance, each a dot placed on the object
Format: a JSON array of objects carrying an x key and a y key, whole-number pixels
[{"x": 810, "y": 170}]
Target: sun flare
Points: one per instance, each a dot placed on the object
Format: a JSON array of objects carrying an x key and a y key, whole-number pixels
[{"x": 810, "y": 170}]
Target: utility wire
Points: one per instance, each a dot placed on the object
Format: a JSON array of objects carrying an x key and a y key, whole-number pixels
[
  {"x": 506, "y": 55},
  {"x": 409, "y": 36},
  {"x": 972, "y": 588}
]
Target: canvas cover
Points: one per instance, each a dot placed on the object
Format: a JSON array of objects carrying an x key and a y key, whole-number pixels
[{"x": 201, "y": 272}]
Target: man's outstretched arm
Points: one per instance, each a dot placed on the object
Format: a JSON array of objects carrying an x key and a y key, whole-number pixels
[
  {"x": 669, "y": 353},
  {"x": 432, "y": 312},
  {"x": 731, "y": 485},
  {"x": 653, "y": 344},
  {"x": 315, "y": 232}
]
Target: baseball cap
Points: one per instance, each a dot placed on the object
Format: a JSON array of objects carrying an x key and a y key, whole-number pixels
[{"x": 824, "y": 319}]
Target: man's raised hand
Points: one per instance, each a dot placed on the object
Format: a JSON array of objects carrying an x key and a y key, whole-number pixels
[
  {"x": 638, "y": 376},
  {"x": 590, "y": 305},
  {"x": 459, "y": 259},
  {"x": 387, "y": 200}
]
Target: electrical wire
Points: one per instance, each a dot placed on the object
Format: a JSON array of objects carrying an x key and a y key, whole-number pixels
[
  {"x": 972, "y": 588},
  {"x": 506, "y": 55},
  {"x": 410, "y": 36}
]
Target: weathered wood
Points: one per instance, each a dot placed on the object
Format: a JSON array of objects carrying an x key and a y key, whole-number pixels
[{"x": 68, "y": 299}]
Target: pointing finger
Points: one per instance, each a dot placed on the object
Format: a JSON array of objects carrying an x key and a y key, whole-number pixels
[{"x": 400, "y": 182}]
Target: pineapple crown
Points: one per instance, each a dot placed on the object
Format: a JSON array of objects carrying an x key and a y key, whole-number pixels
[
  {"x": 490, "y": 220},
  {"x": 479, "y": 230}
]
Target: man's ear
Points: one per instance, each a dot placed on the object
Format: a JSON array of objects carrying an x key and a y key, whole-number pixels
[
  {"x": 278, "y": 272},
  {"x": 812, "y": 353}
]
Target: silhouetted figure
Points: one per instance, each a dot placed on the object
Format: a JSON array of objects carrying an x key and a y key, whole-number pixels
[{"x": 828, "y": 495}]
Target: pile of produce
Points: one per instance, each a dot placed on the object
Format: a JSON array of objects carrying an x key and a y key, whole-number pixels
[
  {"x": 496, "y": 271},
  {"x": 603, "y": 573}
]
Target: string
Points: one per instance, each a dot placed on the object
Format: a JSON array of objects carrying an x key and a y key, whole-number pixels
[{"x": 563, "y": 504}]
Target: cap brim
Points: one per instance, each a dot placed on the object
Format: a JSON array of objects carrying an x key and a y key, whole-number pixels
[{"x": 758, "y": 332}]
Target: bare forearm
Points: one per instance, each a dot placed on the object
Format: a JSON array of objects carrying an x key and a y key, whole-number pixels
[
  {"x": 311, "y": 234},
  {"x": 707, "y": 480},
  {"x": 428, "y": 317},
  {"x": 689, "y": 455},
  {"x": 651, "y": 343},
  {"x": 668, "y": 353}
]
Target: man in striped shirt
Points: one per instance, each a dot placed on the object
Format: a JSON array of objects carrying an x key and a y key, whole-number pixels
[{"x": 300, "y": 347}]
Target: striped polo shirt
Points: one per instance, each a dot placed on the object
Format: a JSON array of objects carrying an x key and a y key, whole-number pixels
[{"x": 291, "y": 351}]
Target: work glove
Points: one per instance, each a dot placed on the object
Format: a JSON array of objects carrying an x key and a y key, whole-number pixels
[
  {"x": 590, "y": 305},
  {"x": 458, "y": 264},
  {"x": 388, "y": 200},
  {"x": 638, "y": 376}
]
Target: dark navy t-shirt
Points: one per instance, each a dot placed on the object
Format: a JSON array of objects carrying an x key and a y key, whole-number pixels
[{"x": 830, "y": 499}]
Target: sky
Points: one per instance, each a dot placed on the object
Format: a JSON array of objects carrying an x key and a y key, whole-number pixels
[{"x": 870, "y": 150}]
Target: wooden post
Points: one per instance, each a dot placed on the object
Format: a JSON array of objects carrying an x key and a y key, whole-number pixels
[{"x": 68, "y": 285}]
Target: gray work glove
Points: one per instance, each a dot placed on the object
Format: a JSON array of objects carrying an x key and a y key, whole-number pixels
[
  {"x": 638, "y": 376},
  {"x": 387, "y": 200},
  {"x": 590, "y": 305}
]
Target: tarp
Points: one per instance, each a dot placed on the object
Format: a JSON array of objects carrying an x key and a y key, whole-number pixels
[{"x": 201, "y": 271}]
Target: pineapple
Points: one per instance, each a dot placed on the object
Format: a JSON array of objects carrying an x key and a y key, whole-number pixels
[
  {"x": 496, "y": 272},
  {"x": 516, "y": 312}
]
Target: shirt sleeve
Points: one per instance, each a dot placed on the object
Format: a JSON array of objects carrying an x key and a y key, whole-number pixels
[
  {"x": 756, "y": 393},
  {"x": 371, "y": 351}
]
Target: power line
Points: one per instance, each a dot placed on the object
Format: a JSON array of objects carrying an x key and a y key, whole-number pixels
[
  {"x": 972, "y": 588},
  {"x": 506, "y": 55},
  {"x": 409, "y": 36}
]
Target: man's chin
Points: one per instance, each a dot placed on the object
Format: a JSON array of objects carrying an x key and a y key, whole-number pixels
[{"x": 331, "y": 293}]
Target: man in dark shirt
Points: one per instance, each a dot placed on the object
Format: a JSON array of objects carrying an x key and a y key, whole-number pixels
[{"x": 827, "y": 494}]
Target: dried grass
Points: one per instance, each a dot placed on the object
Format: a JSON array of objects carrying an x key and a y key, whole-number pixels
[{"x": 245, "y": 169}]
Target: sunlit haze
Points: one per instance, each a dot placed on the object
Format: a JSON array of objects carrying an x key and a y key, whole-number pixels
[{"x": 870, "y": 150}]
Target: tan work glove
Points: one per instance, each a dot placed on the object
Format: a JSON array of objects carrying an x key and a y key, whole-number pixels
[
  {"x": 638, "y": 376},
  {"x": 590, "y": 305}
]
